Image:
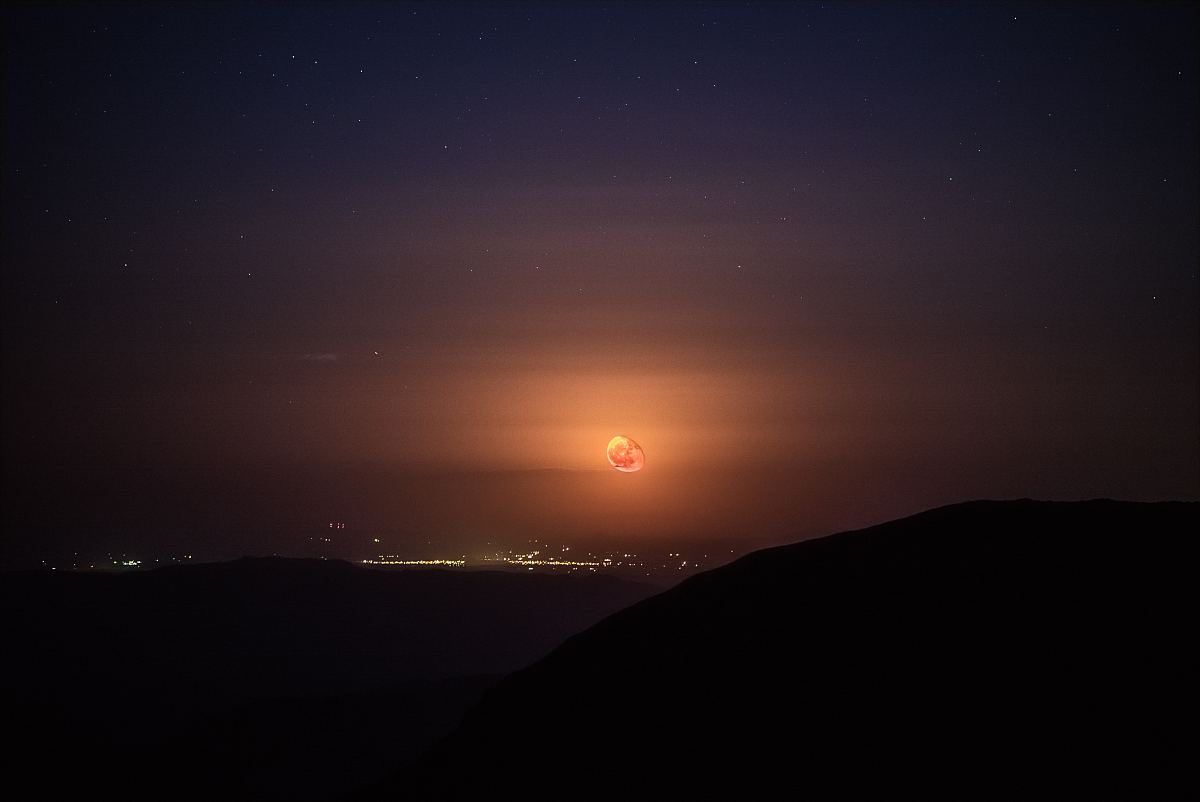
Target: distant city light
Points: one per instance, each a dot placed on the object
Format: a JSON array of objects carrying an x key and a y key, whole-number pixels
[
  {"x": 537, "y": 556},
  {"x": 520, "y": 560},
  {"x": 395, "y": 561}
]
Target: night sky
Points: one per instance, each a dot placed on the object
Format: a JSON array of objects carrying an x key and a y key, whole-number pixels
[{"x": 410, "y": 267}]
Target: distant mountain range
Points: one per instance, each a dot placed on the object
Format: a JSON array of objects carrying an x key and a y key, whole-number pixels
[
  {"x": 989, "y": 649},
  {"x": 260, "y": 678}
]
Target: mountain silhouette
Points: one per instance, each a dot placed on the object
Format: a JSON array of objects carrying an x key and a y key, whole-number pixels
[
  {"x": 261, "y": 678},
  {"x": 982, "y": 649}
]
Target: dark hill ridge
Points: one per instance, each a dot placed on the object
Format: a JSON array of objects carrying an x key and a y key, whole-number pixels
[
  {"x": 262, "y": 678},
  {"x": 986, "y": 648}
]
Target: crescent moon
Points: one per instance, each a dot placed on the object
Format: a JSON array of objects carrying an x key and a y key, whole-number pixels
[{"x": 625, "y": 455}]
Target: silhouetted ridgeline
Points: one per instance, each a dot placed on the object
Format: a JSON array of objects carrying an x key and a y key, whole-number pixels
[
  {"x": 261, "y": 678},
  {"x": 1021, "y": 648}
]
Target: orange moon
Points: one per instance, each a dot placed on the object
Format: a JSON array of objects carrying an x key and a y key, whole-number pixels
[{"x": 625, "y": 455}]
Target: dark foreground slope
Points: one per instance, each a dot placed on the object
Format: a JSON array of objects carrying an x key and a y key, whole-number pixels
[
  {"x": 261, "y": 678},
  {"x": 984, "y": 648}
]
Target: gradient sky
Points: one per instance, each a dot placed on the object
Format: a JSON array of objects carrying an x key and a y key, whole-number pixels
[{"x": 412, "y": 266}]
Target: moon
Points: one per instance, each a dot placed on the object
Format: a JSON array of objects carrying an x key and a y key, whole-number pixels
[{"x": 625, "y": 455}]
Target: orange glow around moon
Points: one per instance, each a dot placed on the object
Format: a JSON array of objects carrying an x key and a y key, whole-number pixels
[{"x": 625, "y": 455}]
